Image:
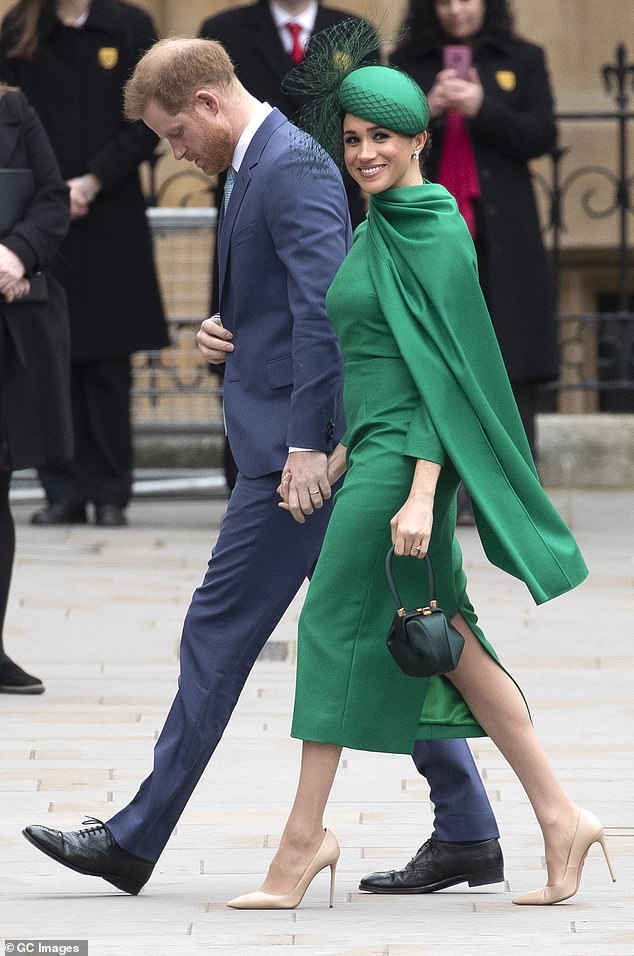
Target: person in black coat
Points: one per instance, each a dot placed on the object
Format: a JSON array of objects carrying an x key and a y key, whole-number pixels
[
  {"x": 72, "y": 58},
  {"x": 35, "y": 416},
  {"x": 507, "y": 108},
  {"x": 261, "y": 45}
]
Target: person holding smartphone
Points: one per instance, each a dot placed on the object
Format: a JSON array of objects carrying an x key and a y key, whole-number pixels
[{"x": 492, "y": 111}]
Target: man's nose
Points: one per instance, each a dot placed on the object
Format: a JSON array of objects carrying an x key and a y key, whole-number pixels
[{"x": 179, "y": 151}]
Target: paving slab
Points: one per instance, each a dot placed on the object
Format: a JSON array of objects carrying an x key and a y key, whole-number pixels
[{"x": 97, "y": 613}]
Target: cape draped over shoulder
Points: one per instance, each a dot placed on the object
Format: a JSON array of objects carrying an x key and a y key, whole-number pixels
[{"x": 424, "y": 269}]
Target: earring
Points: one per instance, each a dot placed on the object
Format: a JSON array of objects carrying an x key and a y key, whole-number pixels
[{"x": 415, "y": 155}]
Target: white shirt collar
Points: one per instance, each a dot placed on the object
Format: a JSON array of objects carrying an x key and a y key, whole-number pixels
[
  {"x": 263, "y": 110},
  {"x": 306, "y": 19}
]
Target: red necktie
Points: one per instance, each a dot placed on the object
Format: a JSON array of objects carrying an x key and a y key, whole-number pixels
[{"x": 297, "y": 53}]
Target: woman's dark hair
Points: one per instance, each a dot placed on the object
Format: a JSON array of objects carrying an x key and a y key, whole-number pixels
[
  {"x": 25, "y": 18},
  {"x": 422, "y": 25}
]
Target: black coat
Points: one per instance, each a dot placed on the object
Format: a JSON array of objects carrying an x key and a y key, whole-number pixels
[
  {"x": 250, "y": 37},
  {"x": 515, "y": 124},
  {"x": 35, "y": 415},
  {"x": 75, "y": 83}
]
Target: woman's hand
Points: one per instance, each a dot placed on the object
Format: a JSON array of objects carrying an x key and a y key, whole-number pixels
[
  {"x": 437, "y": 96},
  {"x": 337, "y": 464},
  {"x": 13, "y": 284},
  {"x": 13, "y": 289},
  {"x": 10, "y": 264},
  {"x": 463, "y": 96},
  {"x": 411, "y": 527}
]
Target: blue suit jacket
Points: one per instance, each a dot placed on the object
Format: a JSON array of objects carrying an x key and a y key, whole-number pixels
[{"x": 282, "y": 238}]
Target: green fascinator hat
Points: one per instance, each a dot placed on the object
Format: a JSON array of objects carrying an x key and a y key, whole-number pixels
[
  {"x": 387, "y": 97},
  {"x": 340, "y": 74}
]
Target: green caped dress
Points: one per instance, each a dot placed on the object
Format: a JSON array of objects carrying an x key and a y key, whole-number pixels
[{"x": 423, "y": 378}]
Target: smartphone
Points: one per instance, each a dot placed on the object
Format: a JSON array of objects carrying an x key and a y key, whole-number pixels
[{"x": 458, "y": 58}]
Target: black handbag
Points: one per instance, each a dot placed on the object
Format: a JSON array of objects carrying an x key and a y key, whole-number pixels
[{"x": 421, "y": 640}]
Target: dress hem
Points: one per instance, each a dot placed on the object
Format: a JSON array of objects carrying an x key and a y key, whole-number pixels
[{"x": 435, "y": 732}]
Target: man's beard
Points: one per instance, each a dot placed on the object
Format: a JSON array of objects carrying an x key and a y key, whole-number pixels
[{"x": 217, "y": 148}]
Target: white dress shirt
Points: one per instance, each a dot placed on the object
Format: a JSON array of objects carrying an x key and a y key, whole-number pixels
[{"x": 306, "y": 21}]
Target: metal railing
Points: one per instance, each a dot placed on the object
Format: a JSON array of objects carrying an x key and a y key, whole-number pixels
[
  {"x": 597, "y": 347},
  {"x": 174, "y": 390}
]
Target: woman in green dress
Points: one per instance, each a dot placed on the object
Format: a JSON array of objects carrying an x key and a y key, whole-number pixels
[{"x": 428, "y": 403}]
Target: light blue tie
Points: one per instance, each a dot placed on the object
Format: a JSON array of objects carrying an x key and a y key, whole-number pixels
[{"x": 231, "y": 178}]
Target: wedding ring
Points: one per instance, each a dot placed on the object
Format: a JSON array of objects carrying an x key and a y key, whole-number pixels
[
  {"x": 416, "y": 549},
  {"x": 314, "y": 491}
]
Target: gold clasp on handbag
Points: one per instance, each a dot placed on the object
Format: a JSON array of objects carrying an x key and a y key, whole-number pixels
[{"x": 427, "y": 610}]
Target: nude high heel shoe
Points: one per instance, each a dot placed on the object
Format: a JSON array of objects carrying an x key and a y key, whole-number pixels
[
  {"x": 327, "y": 855},
  {"x": 589, "y": 830}
]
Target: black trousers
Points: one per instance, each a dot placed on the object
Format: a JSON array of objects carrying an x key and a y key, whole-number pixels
[{"x": 101, "y": 469}]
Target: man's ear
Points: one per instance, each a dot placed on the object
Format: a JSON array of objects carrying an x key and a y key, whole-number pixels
[{"x": 207, "y": 100}]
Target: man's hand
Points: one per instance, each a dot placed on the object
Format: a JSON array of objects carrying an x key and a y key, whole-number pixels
[
  {"x": 83, "y": 190},
  {"x": 214, "y": 341},
  {"x": 305, "y": 485}
]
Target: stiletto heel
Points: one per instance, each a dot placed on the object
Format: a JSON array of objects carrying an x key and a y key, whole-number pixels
[
  {"x": 589, "y": 830},
  {"x": 604, "y": 847},
  {"x": 326, "y": 855},
  {"x": 333, "y": 869}
]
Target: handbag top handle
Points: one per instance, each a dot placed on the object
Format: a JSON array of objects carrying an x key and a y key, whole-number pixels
[{"x": 390, "y": 580}]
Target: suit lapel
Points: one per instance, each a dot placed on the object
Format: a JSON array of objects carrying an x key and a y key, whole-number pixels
[{"x": 227, "y": 218}]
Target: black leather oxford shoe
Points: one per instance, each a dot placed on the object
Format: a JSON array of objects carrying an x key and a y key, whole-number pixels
[
  {"x": 438, "y": 865},
  {"x": 94, "y": 852},
  {"x": 110, "y": 516},
  {"x": 61, "y": 512}
]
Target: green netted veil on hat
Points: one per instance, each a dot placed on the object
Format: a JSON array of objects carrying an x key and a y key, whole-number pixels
[{"x": 334, "y": 79}]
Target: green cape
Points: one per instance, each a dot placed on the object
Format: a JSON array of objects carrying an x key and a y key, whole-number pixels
[{"x": 423, "y": 266}]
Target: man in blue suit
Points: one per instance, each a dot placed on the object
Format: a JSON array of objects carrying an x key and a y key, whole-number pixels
[{"x": 283, "y": 232}]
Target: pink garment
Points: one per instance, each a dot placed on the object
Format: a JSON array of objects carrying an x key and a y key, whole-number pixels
[{"x": 457, "y": 169}]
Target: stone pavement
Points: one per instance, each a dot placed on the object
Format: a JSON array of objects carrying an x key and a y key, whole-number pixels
[{"x": 97, "y": 613}]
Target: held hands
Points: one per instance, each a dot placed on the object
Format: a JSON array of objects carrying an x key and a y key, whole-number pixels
[
  {"x": 13, "y": 284},
  {"x": 214, "y": 341},
  {"x": 451, "y": 93},
  {"x": 305, "y": 483}
]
